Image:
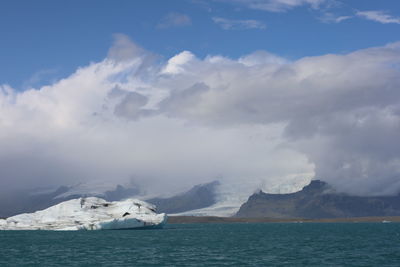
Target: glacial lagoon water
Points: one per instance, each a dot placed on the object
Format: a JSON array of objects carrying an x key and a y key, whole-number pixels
[{"x": 240, "y": 244}]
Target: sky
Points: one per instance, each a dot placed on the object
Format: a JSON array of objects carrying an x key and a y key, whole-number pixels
[
  {"x": 260, "y": 94},
  {"x": 46, "y": 40}
]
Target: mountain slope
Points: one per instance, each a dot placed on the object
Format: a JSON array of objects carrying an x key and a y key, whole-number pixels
[
  {"x": 318, "y": 200},
  {"x": 200, "y": 196}
]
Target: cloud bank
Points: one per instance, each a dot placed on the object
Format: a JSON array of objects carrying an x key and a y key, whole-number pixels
[{"x": 259, "y": 121}]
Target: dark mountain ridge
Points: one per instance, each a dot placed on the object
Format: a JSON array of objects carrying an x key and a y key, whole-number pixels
[
  {"x": 318, "y": 200},
  {"x": 199, "y": 196}
]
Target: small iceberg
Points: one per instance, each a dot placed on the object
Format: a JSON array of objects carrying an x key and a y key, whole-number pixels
[{"x": 91, "y": 213}]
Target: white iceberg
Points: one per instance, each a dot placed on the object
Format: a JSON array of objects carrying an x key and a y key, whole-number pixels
[{"x": 89, "y": 213}]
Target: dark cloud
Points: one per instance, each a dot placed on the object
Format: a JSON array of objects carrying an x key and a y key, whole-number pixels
[{"x": 131, "y": 105}]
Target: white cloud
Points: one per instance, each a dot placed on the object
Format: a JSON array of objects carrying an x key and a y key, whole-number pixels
[
  {"x": 332, "y": 18},
  {"x": 378, "y": 16},
  {"x": 176, "y": 64},
  {"x": 102, "y": 123},
  {"x": 232, "y": 24},
  {"x": 280, "y": 5},
  {"x": 256, "y": 121},
  {"x": 174, "y": 19},
  {"x": 340, "y": 110}
]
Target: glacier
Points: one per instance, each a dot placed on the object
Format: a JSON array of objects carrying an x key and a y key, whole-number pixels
[
  {"x": 90, "y": 213},
  {"x": 229, "y": 199}
]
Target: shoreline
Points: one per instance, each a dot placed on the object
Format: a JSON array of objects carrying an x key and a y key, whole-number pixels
[{"x": 215, "y": 219}]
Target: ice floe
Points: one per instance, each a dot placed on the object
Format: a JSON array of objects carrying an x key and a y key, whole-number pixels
[{"x": 89, "y": 213}]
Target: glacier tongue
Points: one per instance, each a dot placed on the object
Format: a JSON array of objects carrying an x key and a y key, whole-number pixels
[{"x": 89, "y": 213}]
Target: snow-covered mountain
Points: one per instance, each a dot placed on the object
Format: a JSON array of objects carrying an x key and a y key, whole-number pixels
[{"x": 90, "y": 213}]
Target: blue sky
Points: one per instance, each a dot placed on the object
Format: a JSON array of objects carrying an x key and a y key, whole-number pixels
[{"x": 45, "y": 40}]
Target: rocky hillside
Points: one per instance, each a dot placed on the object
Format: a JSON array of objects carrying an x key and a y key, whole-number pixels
[{"x": 318, "y": 200}]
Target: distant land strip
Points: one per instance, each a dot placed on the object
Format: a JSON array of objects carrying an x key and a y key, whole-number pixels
[{"x": 214, "y": 219}]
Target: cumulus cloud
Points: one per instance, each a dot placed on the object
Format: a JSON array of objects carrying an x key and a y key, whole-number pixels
[
  {"x": 174, "y": 19},
  {"x": 177, "y": 63},
  {"x": 233, "y": 24},
  {"x": 259, "y": 121},
  {"x": 127, "y": 117},
  {"x": 378, "y": 16}
]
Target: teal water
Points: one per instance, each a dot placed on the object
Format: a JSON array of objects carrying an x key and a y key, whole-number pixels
[{"x": 270, "y": 244}]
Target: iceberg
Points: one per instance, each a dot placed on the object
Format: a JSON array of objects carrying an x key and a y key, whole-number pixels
[{"x": 91, "y": 213}]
